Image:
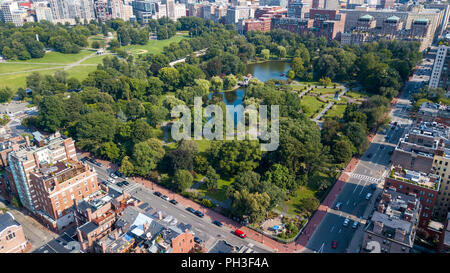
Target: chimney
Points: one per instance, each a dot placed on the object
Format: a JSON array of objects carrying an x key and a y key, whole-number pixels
[
  {"x": 381, "y": 207},
  {"x": 399, "y": 235},
  {"x": 378, "y": 227},
  {"x": 80, "y": 236},
  {"x": 27, "y": 139},
  {"x": 159, "y": 215}
]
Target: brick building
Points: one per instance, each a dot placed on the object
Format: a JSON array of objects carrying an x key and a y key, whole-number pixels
[
  {"x": 425, "y": 187},
  {"x": 444, "y": 244},
  {"x": 322, "y": 23},
  {"x": 95, "y": 215},
  {"x": 416, "y": 150},
  {"x": 392, "y": 227},
  {"x": 12, "y": 237},
  {"x": 57, "y": 187},
  {"x": 24, "y": 159},
  {"x": 433, "y": 112},
  {"x": 263, "y": 19}
]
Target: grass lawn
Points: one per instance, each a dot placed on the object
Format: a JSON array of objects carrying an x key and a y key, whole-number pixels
[
  {"x": 323, "y": 91},
  {"x": 203, "y": 145},
  {"x": 220, "y": 193},
  {"x": 335, "y": 111},
  {"x": 298, "y": 87},
  {"x": 13, "y": 67},
  {"x": 311, "y": 105},
  {"x": 60, "y": 58},
  {"x": 154, "y": 46},
  {"x": 80, "y": 71},
  {"x": 95, "y": 59},
  {"x": 356, "y": 95},
  {"x": 293, "y": 205},
  {"x": 99, "y": 38},
  {"x": 15, "y": 81}
]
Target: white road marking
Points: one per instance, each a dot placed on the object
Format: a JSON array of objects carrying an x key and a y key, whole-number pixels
[
  {"x": 164, "y": 206},
  {"x": 340, "y": 230},
  {"x": 183, "y": 215},
  {"x": 332, "y": 229}
]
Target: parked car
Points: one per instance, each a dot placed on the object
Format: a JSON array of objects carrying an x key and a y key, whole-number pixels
[
  {"x": 334, "y": 244},
  {"x": 190, "y": 209},
  {"x": 217, "y": 223},
  {"x": 355, "y": 224},
  {"x": 113, "y": 175},
  {"x": 112, "y": 180},
  {"x": 173, "y": 201},
  {"x": 368, "y": 196},
  {"x": 199, "y": 213},
  {"x": 346, "y": 222},
  {"x": 125, "y": 183},
  {"x": 120, "y": 184},
  {"x": 198, "y": 240},
  {"x": 240, "y": 233},
  {"x": 338, "y": 206},
  {"x": 157, "y": 193},
  {"x": 98, "y": 163},
  {"x": 165, "y": 197},
  {"x": 119, "y": 174},
  {"x": 84, "y": 159}
]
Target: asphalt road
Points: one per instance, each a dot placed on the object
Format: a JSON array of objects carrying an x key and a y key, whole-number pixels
[
  {"x": 370, "y": 170},
  {"x": 201, "y": 227}
]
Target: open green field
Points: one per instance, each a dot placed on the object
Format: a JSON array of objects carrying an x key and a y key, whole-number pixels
[
  {"x": 323, "y": 91},
  {"x": 203, "y": 145},
  {"x": 98, "y": 59},
  {"x": 80, "y": 72},
  {"x": 154, "y": 46},
  {"x": 14, "y": 67},
  {"x": 336, "y": 111},
  {"x": 48, "y": 65},
  {"x": 220, "y": 193},
  {"x": 59, "y": 58},
  {"x": 15, "y": 81},
  {"x": 311, "y": 105},
  {"x": 99, "y": 38},
  {"x": 293, "y": 206},
  {"x": 356, "y": 95}
]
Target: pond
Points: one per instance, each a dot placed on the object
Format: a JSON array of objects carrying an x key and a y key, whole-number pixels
[{"x": 262, "y": 71}]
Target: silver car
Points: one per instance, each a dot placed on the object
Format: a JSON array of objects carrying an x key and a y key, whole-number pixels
[{"x": 346, "y": 222}]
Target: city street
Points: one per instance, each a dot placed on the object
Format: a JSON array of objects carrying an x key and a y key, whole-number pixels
[
  {"x": 371, "y": 169},
  {"x": 36, "y": 234},
  {"x": 201, "y": 227}
]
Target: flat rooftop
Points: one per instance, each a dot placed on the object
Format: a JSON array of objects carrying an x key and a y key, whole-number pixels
[{"x": 431, "y": 181}]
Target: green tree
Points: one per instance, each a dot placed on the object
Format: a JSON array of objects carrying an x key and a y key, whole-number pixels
[
  {"x": 126, "y": 166},
  {"x": 265, "y": 53},
  {"x": 183, "y": 180},
  {"x": 229, "y": 82},
  {"x": 51, "y": 114},
  {"x": 6, "y": 94},
  {"x": 216, "y": 84},
  {"x": 170, "y": 77},
  {"x": 110, "y": 151},
  {"x": 211, "y": 179},
  {"x": 280, "y": 176},
  {"x": 146, "y": 156}
]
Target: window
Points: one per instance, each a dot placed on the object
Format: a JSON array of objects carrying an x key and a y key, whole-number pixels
[
  {"x": 430, "y": 195},
  {"x": 86, "y": 189},
  {"x": 57, "y": 204}
]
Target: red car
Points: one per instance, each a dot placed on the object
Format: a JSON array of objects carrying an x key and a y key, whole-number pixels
[
  {"x": 333, "y": 244},
  {"x": 240, "y": 233}
]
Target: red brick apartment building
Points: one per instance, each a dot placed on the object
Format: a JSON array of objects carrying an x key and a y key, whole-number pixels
[
  {"x": 12, "y": 237},
  {"x": 263, "y": 19},
  {"x": 57, "y": 187},
  {"x": 392, "y": 227},
  {"x": 425, "y": 187},
  {"x": 322, "y": 23}
]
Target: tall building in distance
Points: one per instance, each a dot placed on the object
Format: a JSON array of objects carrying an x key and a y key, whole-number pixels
[{"x": 440, "y": 73}]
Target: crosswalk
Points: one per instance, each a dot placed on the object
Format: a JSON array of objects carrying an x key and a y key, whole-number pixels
[
  {"x": 365, "y": 178},
  {"x": 131, "y": 187}
]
